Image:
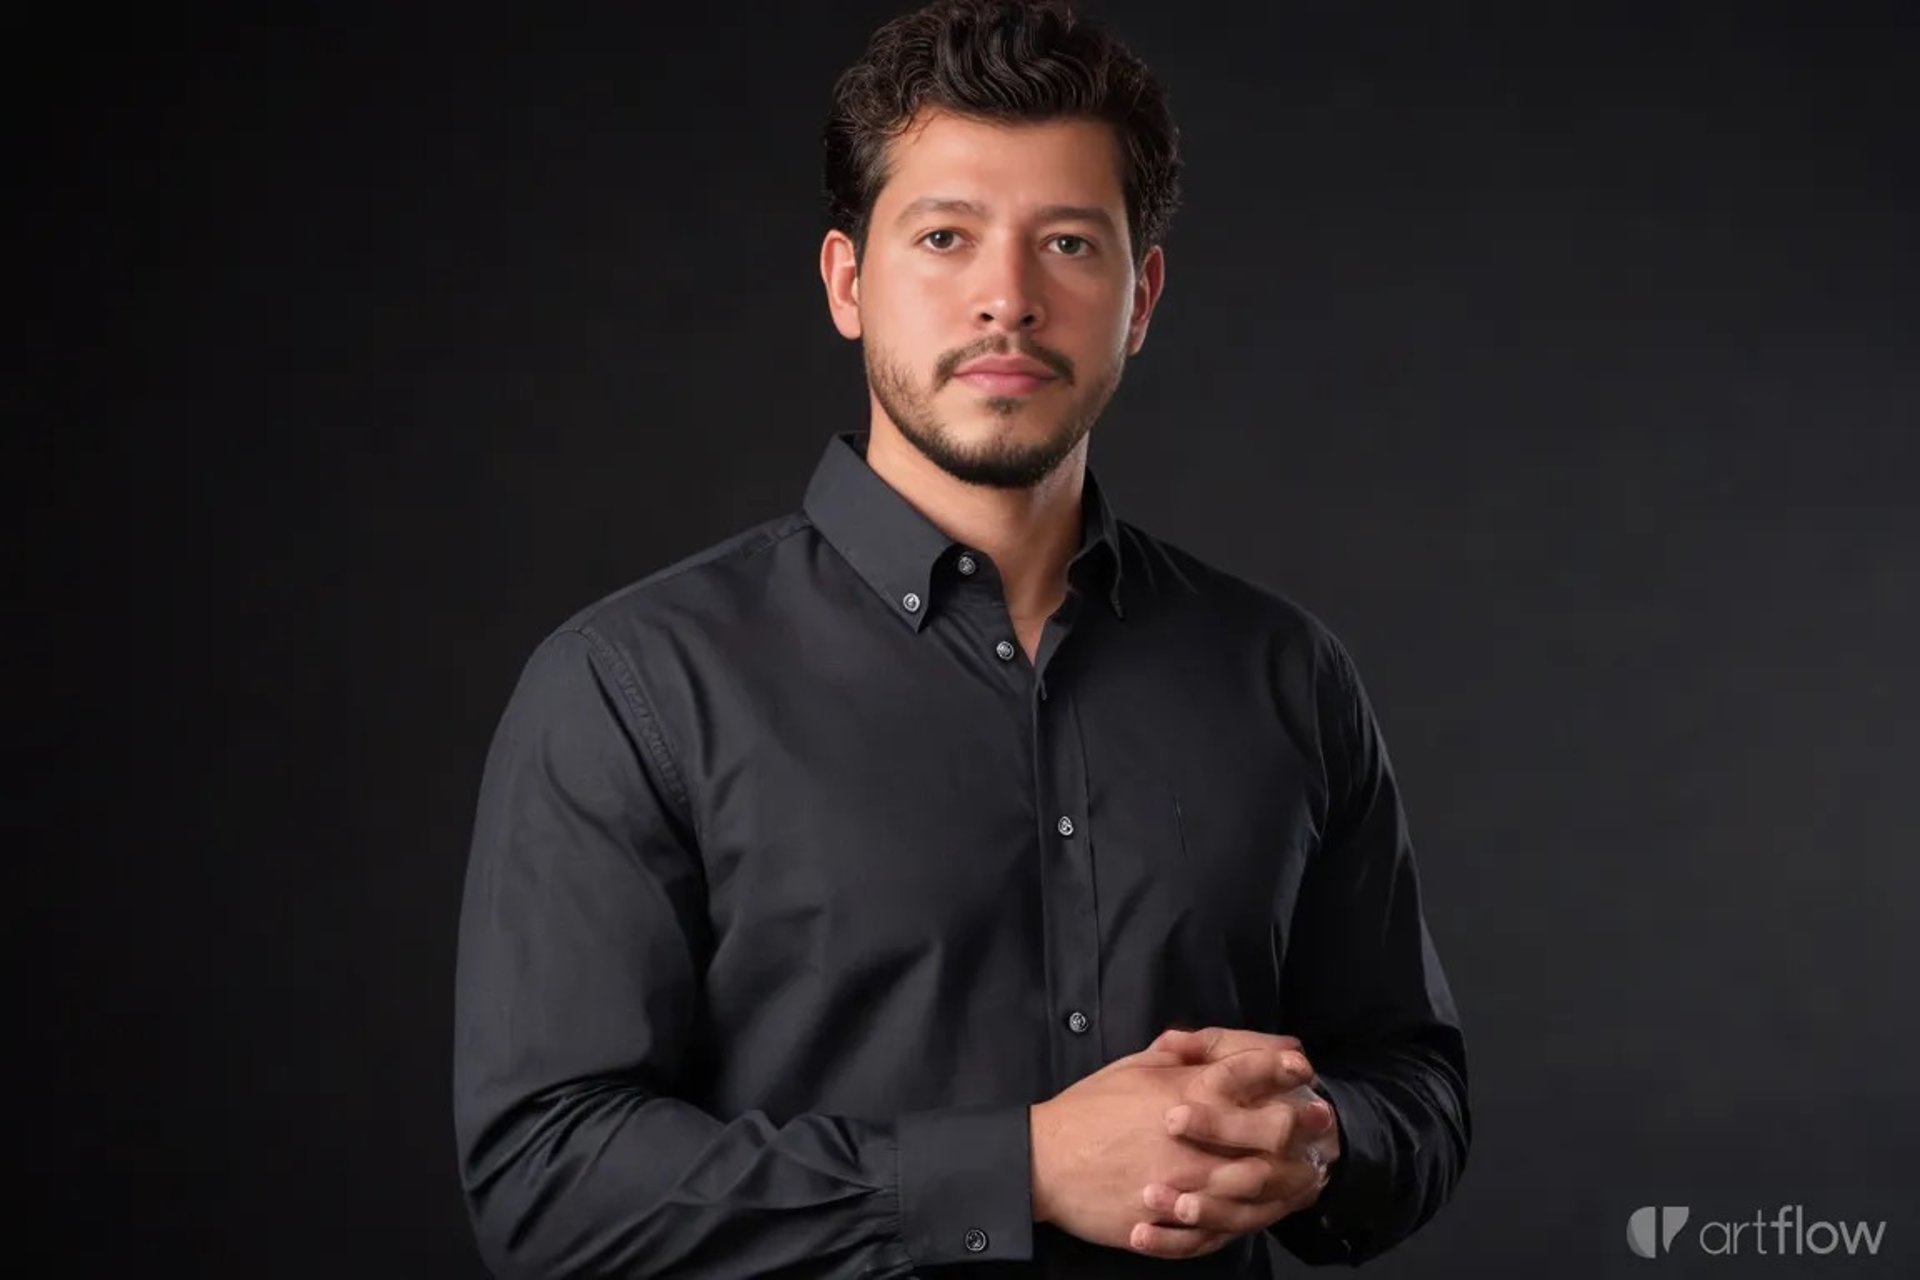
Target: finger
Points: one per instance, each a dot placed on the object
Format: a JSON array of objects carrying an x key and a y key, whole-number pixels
[
  {"x": 1314, "y": 1119},
  {"x": 1253, "y": 1075},
  {"x": 1243, "y": 1178},
  {"x": 1231, "y": 1204},
  {"x": 1294, "y": 1184},
  {"x": 1248, "y": 1178},
  {"x": 1257, "y": 1129},
  {"x": 1245, "y": 1195},
  {"x": 1173, "y": 1242}
]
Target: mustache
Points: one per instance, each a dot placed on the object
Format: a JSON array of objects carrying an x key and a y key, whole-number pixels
[{"x": 1060, "y": 366}]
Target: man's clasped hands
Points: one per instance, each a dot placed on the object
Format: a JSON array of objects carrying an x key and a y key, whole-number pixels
[{"x": 1177, "y": 1150}]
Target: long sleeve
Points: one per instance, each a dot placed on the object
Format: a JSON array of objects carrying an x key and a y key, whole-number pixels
[
  {"x": 583, "y": 936},
  {"x": 1366, "y": 994}
]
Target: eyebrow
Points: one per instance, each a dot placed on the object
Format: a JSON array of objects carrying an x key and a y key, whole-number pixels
[{"x": 974, "y": 209}]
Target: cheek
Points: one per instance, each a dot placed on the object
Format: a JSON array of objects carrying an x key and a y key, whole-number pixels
[
  {"x": 903, "y": 323},
  {"x": 1102, "y": 315},
  {"x": 907, "y": 298}
]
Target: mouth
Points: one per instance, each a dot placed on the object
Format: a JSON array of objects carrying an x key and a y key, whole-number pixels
[{"x": 1005, "y": 384}]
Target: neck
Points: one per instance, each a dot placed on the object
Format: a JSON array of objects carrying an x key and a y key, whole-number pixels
[{"x": 1031, "y": 534}]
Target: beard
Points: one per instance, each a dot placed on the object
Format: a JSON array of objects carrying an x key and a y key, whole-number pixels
[{"x": 1000, "y": 463}]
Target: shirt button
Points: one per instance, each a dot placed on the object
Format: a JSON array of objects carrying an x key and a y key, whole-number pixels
[
  {"x": 1077, "y": 1023},
  {"x": 975, "y": 1240},
  {"x": 966, "y": 565},
  {"x": 1005, "y": 650},
  {"x": 1064, "y": 826},
  {"x": 910, "y": 602}
]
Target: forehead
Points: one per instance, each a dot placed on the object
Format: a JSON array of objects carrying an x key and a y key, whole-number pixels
[{"x": 1058, "y": 161}]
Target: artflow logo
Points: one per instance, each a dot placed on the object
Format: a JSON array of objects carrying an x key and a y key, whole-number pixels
[{"x": 1651, "y": 1232}]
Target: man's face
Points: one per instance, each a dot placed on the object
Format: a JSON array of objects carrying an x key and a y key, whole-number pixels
[{"x": 990, "y": 241}]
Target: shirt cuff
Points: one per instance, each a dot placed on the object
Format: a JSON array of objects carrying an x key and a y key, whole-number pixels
[
  {"x": 1331, "y": 1228},
  {"x": 966, "y": 1184}
]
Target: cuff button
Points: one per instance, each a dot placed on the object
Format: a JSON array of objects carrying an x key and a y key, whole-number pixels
[{"x": 976, "y": 1240}]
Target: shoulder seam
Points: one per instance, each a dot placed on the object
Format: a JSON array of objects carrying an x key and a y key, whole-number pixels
[{"x": 644, "y": 715}]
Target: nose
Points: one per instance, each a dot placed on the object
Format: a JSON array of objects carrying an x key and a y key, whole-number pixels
[{"x": 1009, "y": 291}]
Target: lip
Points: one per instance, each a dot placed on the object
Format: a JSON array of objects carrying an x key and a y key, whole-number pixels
[{"x": 1004, "y": 383}]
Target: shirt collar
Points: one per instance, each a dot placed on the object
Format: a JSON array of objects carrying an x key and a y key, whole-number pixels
[{"x": 893, "y": 547}]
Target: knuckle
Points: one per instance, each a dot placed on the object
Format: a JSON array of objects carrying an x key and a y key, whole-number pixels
[
  {"x": 1217, "y": 1215},
  {"x": 1247, "y": 1179},
  {"x": 1233, "y": 1216},
  {"x": 1234, "y": 1132},
  {"x": 1225, "y": 1183}
]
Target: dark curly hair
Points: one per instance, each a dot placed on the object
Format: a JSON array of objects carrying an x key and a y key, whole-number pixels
[{"x": 1002, "y": 61}]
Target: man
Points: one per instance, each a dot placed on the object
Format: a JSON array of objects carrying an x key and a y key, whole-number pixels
[{"x": 844, "y": 899}]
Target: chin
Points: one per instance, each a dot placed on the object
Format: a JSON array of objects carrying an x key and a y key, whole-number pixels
[
  {"x": 999, "y": 412},
  {"x": 1022, "y": 436}
]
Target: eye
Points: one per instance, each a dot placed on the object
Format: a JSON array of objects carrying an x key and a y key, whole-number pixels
[
  {"x": 942, "y": 231},
  {"x": 1085, "y": 246}
]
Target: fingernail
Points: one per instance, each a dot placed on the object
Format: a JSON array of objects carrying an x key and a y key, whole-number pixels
[{"x": 1176, "y": 1119}]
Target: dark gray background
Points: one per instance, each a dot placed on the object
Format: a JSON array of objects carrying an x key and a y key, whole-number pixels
[{"x": 1565, "y": 363}]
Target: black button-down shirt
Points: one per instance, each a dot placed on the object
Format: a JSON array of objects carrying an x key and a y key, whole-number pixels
[{"x": 794, "y": 883}]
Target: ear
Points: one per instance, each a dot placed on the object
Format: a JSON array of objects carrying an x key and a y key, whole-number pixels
[
  {"x": 841, "y": 276},
  {"x": 1148, "y": 285}
]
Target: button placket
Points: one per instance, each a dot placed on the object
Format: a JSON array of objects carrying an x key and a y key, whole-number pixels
[{"x": 1072, "y": 932}]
